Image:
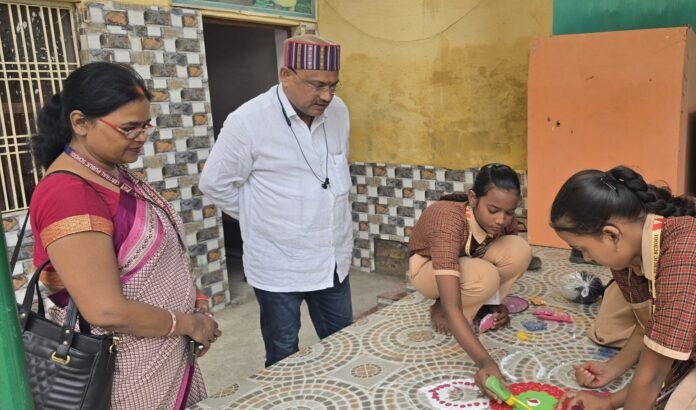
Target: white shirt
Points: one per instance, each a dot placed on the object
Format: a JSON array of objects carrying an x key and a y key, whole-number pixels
[{"x": 294, "y": 231}]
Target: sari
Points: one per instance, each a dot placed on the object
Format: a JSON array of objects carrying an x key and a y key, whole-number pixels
[{"x": 154, "y": 268}]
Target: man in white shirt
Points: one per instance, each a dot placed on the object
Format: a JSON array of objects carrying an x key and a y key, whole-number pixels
[{"x": 280, "y": 166}]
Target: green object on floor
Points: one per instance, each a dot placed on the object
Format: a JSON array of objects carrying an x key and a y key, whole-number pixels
[
  {"x": 15, "y": 393},
  {"x": 494, "y": 385}
]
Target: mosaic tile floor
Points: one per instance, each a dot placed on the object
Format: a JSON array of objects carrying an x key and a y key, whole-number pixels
[{"x": 383, "y": 360}]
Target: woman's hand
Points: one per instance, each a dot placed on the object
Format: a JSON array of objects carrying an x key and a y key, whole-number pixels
[
  {"x": 488, "y": 368},
  {"x": 575, "y": 400},
  {"x": 202, "y": 306},
  {"x": 204, "y": 330},
  {"x": 594, "y": 374}
]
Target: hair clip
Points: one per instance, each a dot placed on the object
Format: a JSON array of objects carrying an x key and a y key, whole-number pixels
[{"x": 608, "y": 183}]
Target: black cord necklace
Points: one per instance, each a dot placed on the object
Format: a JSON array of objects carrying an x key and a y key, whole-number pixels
[{"x": 325, "y": 181}]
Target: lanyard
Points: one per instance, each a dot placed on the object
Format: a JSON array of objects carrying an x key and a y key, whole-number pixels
[
  {"x": 469, "y": 214},
  {"x": 325, "y": 182},
  {"x": 153, "y": 198},
  {"x": 650, "y": 256},
  {"x": 467, "y": 247},
  {"x": 653, "y": 252}
]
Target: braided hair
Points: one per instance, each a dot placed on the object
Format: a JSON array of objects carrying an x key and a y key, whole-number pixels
[{"x": 587, "y": 200}]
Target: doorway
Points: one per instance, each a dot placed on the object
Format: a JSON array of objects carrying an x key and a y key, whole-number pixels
[{"x": 242, "y": 61}]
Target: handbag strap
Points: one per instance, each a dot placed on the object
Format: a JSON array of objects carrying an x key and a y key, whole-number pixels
[
  {"x": 32, "y": 287},
  {"x": 72, "y": 314},
  {"x": 66, "y": 336},
  {"x": 18, "y": 246},
  {"x": 20, "y": 237}
]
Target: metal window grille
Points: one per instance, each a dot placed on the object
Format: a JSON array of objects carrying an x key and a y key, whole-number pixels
[{"x": 38, "y": 49}]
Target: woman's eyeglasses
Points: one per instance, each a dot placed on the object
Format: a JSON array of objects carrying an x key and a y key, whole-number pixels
[{"x": 132, "y": 133}]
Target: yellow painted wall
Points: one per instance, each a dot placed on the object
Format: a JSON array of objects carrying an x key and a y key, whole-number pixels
[
  {"x": 431, "y": 82},
  {"x": 436, "y": 82}
]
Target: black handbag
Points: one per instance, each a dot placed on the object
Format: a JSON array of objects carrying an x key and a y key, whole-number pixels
[{"x": 67, "y": 369}]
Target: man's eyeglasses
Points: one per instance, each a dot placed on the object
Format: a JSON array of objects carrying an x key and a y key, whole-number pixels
[
  {"x": 318, "y": 87},
  {"x": 132, "y": 133}
]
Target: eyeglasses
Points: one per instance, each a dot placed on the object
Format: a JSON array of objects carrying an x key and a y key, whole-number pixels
[
  {"x": 132, "y": 133},
  {"x": 318, "y": 87}
]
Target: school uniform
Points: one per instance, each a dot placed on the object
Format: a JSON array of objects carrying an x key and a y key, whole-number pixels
[
  {"x": 447, "y": 237},
  {"x": 668, "y": 289}
]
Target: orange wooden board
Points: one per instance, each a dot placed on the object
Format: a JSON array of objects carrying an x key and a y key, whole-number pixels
[{"x": 602, "y": 99}]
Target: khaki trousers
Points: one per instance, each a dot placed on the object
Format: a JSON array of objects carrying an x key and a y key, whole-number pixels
[
  {"x": 480, "y": 278},
  {"x": 684, "y": 396},
  {"x": 616, "y": 319}
]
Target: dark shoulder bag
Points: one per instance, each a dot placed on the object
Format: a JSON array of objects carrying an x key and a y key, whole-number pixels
[{"x": 67, "y": 369}]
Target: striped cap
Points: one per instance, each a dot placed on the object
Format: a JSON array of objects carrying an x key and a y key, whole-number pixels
[{"x": 305, "y": 55}]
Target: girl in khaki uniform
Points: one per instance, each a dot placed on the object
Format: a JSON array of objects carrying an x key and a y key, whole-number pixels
[
  {"x": 465, "y": 253},
  {"x": 648, "y": 240}
]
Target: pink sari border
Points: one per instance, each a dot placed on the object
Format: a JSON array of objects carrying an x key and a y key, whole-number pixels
[
  {"x": 182, "y": 397},
  {"x": 136, "y": 237}
]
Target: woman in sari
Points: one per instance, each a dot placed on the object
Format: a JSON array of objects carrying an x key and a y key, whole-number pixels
[{"x": 116, "y": 247}]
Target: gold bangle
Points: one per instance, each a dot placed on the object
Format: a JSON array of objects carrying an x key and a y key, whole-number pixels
[{"x": 171, "y": 331}]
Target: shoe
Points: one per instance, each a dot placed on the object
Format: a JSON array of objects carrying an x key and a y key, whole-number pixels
[
  {"x": 535, "y": 263},
  {"x": 485, "y": 310},
  {"x": 485, "y": 317},
  {"x": 486, "y": 323}
]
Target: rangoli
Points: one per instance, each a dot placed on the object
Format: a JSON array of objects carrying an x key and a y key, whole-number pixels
[
  {"x": 464, "y": 394},
  {"x": 456, "y": 394},
  {"x": 538, "y": 396}
]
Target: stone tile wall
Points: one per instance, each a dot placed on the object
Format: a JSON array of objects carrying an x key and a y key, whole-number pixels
[
  {"x": 165, "y": 46},
  {"x": 387, "y": 200}
]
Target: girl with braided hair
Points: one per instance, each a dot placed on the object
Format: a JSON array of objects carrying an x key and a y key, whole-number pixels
[{"x": 647, "y": 238}]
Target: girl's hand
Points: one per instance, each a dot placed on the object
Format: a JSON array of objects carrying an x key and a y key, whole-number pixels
[
  {"x": 594, "y": 374},
  {"x": 575, "y": 400},
  {"x": 488, "y": 368}
]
